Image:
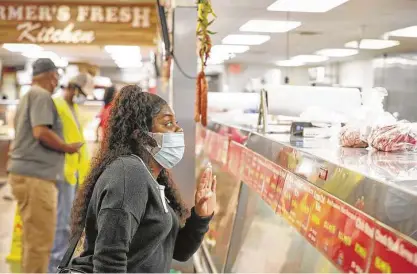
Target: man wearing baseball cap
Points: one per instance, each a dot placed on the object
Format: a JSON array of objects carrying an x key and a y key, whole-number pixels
[
  {"x": 76, "y": 165},
  {"x": 35, "y": 165}
]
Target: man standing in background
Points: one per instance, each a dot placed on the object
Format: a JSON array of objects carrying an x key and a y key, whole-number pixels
[
  {"x": 76, "y": 165},
  {"x": 36, "y": 163}
]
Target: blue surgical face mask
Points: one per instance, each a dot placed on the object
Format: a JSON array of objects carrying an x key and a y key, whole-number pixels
[{"x": 169, "y": 150}]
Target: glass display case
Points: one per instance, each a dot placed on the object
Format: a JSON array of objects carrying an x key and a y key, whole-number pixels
[
  {"x": 308, "y": 206},
  {"x": 266, "y": 243},
  {"x": 217, "y": 241}
]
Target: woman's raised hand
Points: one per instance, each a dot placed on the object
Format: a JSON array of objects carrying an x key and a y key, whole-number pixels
[{"x": 205, "y": 196}]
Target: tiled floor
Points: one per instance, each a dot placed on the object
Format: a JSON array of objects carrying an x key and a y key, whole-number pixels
[{"x": 7, "y": 213}]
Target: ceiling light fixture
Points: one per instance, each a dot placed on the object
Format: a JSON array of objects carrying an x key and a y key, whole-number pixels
[
  {"x": 22, "y": 47},
  {"x": 125, "y": 56},
  {"x": 337, "y": 52},
  {"x": 113, "y": 49},
  {"x": 246, "y": 39},
  {"x": 269, "y": 26},
  {"x": 230, "y": 48},
  {"x": 305, "y": 5},
  {"x": 372, "y": 44},
  {"x": 290, "y": 63},
  {"x": 310, "y": 58},
  {"x": 128, "y": 64},
  {"x": 405, "y": 32},
  {"x": 58, "y": 61}
]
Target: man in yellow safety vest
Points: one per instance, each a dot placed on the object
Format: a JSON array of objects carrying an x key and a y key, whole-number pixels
[{"x": 76, "y": 165}]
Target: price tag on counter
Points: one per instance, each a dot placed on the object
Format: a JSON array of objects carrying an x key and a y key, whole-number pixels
[
  {"x": 246, "y": 162},
  {"x": 260, "y": 174},
  {"x": 325, "y": 219},
  {"x": 301, "y": 204},
  {"x": 355, "y": 233},
  {"x": 275, "y": 177},
  {"x": 234, "y": 163},
  {"x": 284, "y": 205},
  {"x": 223, "y": 149},
  {"x": 392, "y": 253}
]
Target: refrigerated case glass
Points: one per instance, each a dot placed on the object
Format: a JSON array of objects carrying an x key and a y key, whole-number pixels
[
  {"x": 218, "y": 238},
  {"x": 266, "y": 243}
]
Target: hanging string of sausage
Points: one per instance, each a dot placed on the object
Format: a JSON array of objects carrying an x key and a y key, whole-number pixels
[{"x": 203, "y": 34}]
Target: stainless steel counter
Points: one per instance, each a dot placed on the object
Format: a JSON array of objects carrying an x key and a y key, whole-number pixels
[
  {"x": 385, "y": 182},
  {"x": 380, "y": 187}
]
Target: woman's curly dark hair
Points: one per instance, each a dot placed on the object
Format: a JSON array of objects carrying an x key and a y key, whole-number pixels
[{"x": 130, "y": 121}]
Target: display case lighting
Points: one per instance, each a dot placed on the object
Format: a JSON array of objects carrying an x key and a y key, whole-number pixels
[
  {"x": 405, "y": 32},
  {"x": 305, "y": 5},
  {"x": 245, "y": 39},
  {"x": 269, "y": 26},
  {"x": 372, "y": 44},
  {"x": 337, "y": 52}
]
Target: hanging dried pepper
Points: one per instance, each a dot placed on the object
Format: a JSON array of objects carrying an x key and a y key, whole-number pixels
[{"x": 203, "y": 35}]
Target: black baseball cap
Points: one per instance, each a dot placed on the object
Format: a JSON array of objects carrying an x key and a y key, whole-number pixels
[{"x": 43, "y": 65}]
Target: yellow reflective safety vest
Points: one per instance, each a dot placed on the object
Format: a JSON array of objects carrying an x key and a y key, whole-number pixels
[{"x": 77, "y": 162}]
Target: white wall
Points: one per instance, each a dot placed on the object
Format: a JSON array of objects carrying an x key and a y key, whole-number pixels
[
  {"x": 239, "y": 82},
  {"x": 298, "y": 76},
  {"x": 357, "y": 74}
]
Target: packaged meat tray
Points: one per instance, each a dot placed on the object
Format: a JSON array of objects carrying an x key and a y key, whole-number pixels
[
  {"x": 394, "y": 138},
  {"x": 351, "y": 136}
]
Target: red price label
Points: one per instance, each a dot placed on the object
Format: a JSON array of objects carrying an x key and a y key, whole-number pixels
[
  {"x": 246, "y": 165},
  {"x": 234, "y": 159},
  {"x": 392, "y": 253},
  {"x": 301, "y": 204},
  {"x": 270, "y": 190},
  {"x": 223, "y": 145},
  {"x": 355, "y": 233},
  {"x": 284, "y": 205}
]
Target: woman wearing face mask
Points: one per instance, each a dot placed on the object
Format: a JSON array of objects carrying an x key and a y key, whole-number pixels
[
  {"x": 132, "y": 214},
  {"x": 76, "y": 165}
]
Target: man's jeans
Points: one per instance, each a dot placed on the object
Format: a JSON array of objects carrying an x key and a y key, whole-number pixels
[{"x": 66, "y": 194}]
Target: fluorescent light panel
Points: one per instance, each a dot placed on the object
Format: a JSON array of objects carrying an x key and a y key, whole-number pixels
[
  {"x": 22, "y": 47},
  {"x": 305, "y": 5},
  {"x": 269, "y": 26},
  {"x": 337, "y": 52},
  {"x": 59, "y": 61},
  {"x": 125, "y": 56},
  {"x": 405, "y": 32},
  {"x": 230, "y": 48},
  {"x": 372, "y": 44},
  {"x": 129, "y": 64},
  {"x": 115, "y": 49},
  {"x": 290, "y": 63},
  {"x": 245, "y": 39},
  {"x": 310, "y": 58}
]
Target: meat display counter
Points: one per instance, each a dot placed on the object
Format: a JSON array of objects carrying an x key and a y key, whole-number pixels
[{"x": 307, "y": 205}]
